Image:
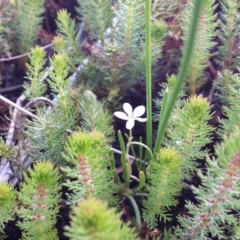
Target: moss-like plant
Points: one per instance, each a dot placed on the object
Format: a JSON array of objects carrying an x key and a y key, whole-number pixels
[
  {"x": 92, "y": 219},
  {"x": 6, "y": 15},
  {"x": 164, "y": 175},
  {"x": 118, "y": 62},
  {"x": 89, "y": 156},
  {"x": 67, "y": 41},
  {"x": 94, "y": 117},
  {"x": 28, "y": 23},
  {"x": 204, "y": 42},
  {"x": 35, "y": 88},
  {"x": 97, "y": 16},
  {"x": 7, "y": 205},
  {"x": 165, "y": 9},
  {"x": 229, "y": 86},
  {"x": 47, "y": 132},
  {"x": 229, "y": 32},
  {"x": 39, "y": 199},
  {"x": 217, "y": 195},
  {"x": 189, "y": 132},
  {"x": 5, "y": 150},
  {"x": 115, "y": 57}
]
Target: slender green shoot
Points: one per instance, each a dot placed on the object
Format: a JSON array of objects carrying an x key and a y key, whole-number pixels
[
  {"x": 145, "y": 146},
  {"x": 148, "y": 72},
  {"x": 182, "y": 73},
  {"x": 140, "y": 154},
  {"x": 164, "y": 104},
  {"x": 123, "y": 160},
  {"x": 136, "y": 210}
]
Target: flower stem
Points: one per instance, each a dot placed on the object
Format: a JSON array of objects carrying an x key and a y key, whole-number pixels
[
  {"x": 145, "y": 146},
  {"x": 127, "y": 154},
  {"x": 126, "y": 176}
]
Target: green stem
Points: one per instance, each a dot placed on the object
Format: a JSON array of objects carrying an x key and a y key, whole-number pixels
[
  {"x": 127, "y": 153},
  {"x": 145, "y": 146},
  {"x": 182, "y": 72},
  {"x": 142, "y": 181},
  {"x": 141, "y": 194},
  {"x": 126, "y": 176},
  {"x": 136, "y": 210},
  {"x": 148, "y": 72},
  {"x": 140, "y": 155},
  {"x": 163, "y": 107},
  {"x": 113, "y": 167}
]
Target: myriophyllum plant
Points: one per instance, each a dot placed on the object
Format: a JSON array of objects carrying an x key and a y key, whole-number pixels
[
  {"x": 7, "y": 204},
  {"x": 92, "y": 220},
  {"x": 89, "y": 157},
  {"x": 218, "y": 195},
  {"x": 39, "y": 200}
]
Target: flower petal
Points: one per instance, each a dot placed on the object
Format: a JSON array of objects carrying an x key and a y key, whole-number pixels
[
  {"x": 130, "y": 123},
  {"x": 178, "y": 142},
  {"x": 138, "y": 111},
  {"x": 128, "y": 109},
  {"x": 141, "y": 119},
  {"x": 121, "y": 115}
]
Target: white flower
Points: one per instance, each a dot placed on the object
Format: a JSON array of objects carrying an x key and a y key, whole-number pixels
[
  {"x": 178, "y": 142},
  {"x": 85, "y": 61},
  {"x": 131, "y": 115}
]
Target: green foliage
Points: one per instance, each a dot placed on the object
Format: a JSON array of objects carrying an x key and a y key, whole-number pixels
[
  {"x": 111, "y": 63},
  {"x": 28, "y": 23},
  {"x": 5, "y": 150},
  {"x": 162, "y": 9},
  {"x": 129, "y": 31},
  {"x": 204, "y": 42},
  {"x": 171, "y": 80},
  {"x": 189, "y": 132},
  {"x": 93, "y": 220},
  {"x": 36, "y": 88},
  {"x": 89, "y": 157},
  {"x": 60, "y": 85},
  {"x": 7, "y": 204},
  {"x": 5, "y": 19},
  {"x": 93, "y": 115},
  {"x": 164, "y": 175},
  {"x": 47, "y": 131},
  {"x": 229, "y": 32},
  {"x": 236, "y": 230},
  {"x": 118, "y": 62},
  {"x": 114, "y": 60},
  {"x": 230, "y": 84},
  {"x": 130, "y": 25},
  {"x": 67, "y": 41},
  {"x": 47, "y": 135},
  {"x": 158, "y": 32},
  {"x": 97, "y": 16},
  {"x": 169, "y": 102},
  {"x": 39, "y": 198},
  {"x": 217, "y": 196}
]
